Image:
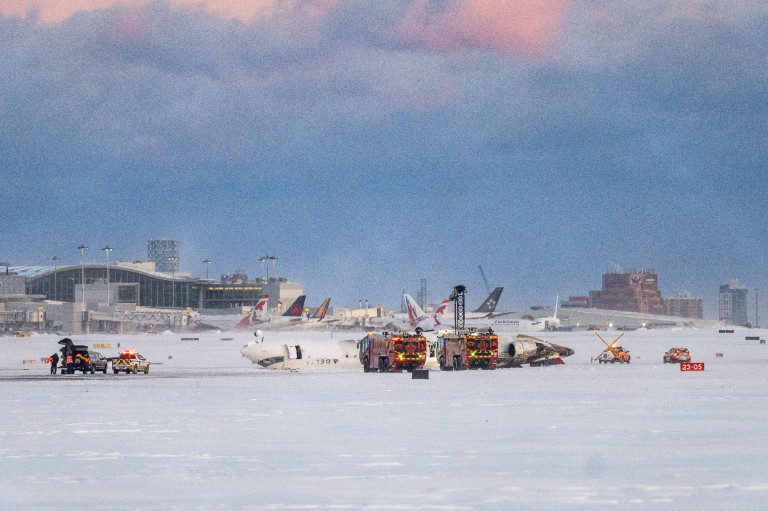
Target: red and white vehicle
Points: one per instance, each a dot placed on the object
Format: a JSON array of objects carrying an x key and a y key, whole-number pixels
[
  {"x": 391, "y": 354},
  {"x": 130, "y": 362}
]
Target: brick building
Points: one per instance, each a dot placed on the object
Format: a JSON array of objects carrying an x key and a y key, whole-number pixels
[{"x": 636, "y": 291}]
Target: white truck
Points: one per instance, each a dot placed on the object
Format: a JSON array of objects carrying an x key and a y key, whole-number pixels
[{"x": 130, "y": 362}]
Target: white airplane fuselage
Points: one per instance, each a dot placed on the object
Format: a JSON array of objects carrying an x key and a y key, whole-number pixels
[{"x": 319, "y": 355}]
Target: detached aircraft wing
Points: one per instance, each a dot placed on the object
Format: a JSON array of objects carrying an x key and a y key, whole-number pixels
[{"x": 526, "y": 349}]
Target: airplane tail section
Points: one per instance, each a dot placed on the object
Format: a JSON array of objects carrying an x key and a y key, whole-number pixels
[
  {"x": 413, "y": 310},
  {"x": 320, "y": 312},
  {"x": 418, "y": 317},
  {"x": 296, "y": 307},
  {"x": 489, "y": 305},
  {"x": 257, "y": 315},
  {"x": 443, "y": 308},
  {"x": 260, "y": 309}
]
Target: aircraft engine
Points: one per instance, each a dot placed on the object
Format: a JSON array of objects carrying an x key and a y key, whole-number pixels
[{"x": 522, "y": 350}]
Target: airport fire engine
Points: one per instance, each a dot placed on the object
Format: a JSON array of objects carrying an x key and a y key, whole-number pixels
[
  {"x": 386, "y": 353},
  {"x": 472, "y": 350}
]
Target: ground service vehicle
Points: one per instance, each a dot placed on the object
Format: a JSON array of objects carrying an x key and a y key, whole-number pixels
[
  {"x": 613, "y": 353},
  {"x": 74, "y": 357},
  {"x": 473, "y": 350},
  {"x": 391, "y": 354},
  {"x": 98, "y": 362},
  {"x": 677, "y": 355},
  {"x": 130, "y": 362}
]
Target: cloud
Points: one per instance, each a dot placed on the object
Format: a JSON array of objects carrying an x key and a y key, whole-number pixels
[
  {"x": 56, "y": 11},
  {"x": 518, "y": 27}
]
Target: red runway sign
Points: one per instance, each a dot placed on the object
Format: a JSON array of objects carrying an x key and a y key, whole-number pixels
[{"x": 692, "y": 366}]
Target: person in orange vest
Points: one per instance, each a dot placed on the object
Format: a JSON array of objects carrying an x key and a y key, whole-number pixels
[{"x": 54, "y": 360}]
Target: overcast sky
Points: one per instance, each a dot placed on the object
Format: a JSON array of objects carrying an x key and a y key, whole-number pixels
[{"x": 368, "y": 145}]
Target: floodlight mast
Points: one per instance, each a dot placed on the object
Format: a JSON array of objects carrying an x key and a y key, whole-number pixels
[{"x": 457, "y": 297}]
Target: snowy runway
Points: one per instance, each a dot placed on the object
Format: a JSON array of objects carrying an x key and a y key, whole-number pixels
[{"x": 580, "y": 436}]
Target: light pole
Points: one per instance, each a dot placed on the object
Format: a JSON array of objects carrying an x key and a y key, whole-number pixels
[
  {"x": 82, "y": 269},
  {"x": 173, "y": 260},
  {"x": 273, "y": 259},
  {"x": 54, "y": 278},
  {"x": 107, "y": 250},
  {"x": 207, "y": 264},
  {"x": 757, "y": 316}
]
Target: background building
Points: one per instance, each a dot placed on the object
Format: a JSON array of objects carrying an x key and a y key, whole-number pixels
[
  {"x": 636, "y": 291},
  {"x": 684, "y": 306},
  {"x": 282, "y": 293},
  {"x": 732, "y": 303},
  {"x": 165, "y": 255}
]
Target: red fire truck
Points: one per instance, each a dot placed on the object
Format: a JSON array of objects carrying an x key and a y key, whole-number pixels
[
  {"x": 387, "y": 353},
  {"x": 471, "y": 350}
]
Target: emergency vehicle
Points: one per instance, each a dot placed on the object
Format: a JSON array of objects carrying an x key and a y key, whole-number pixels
[
  {"x": 387, "y": 353},
  {"x": 472, "y": 350},
  {"x": 130, "y": 362}
]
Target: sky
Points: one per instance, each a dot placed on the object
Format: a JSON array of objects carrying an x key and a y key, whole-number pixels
[{"x": 368, "y": 145}]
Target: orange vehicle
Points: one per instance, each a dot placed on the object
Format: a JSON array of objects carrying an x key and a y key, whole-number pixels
[{"x": 613, "y": 353}]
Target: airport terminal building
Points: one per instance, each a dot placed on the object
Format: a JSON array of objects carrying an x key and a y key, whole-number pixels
[
  {"x": 92, "y": 297},
  {"x": 116, "y": 285}
]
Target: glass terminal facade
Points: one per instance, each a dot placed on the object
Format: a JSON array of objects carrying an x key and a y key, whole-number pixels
[{"x": 142, "y": 288}]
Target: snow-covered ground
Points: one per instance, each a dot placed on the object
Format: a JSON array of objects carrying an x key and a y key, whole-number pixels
[{"x": 206, "y": 429}]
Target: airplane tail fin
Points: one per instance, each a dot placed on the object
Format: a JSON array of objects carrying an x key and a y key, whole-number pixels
[
  {"x": 414, "y": 311},
  {"x": 257, "y": 314},
  {"x": 320, "y": 312},
  {"x": 489, "y": 305},
  {"x": 296, "y": 307},
  {"x": 443, "y": 307},
  {"x": 261, "y": 306},
  {"x": 418, "y": 317}
]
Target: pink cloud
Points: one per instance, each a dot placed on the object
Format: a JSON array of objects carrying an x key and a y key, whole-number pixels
[
  {"x": 55, "y": 11},
  {"x": 523, "y": 27}
]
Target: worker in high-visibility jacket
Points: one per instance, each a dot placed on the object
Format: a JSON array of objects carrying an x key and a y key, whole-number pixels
[{"x": 54, "y": 360}]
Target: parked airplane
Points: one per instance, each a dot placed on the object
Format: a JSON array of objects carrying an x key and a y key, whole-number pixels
[
  {"x": 327, "y": 355},
  {"x": 321, "y": 311},
  {"x": 428, "y": 323},
  {"x": 294, "y": 317},
  {"x": 420, "y": 319},
  {"x": 232, "y": 321},
  {"x": 293, "y": 313},
  {"x": 551, "y": 322},
  {"x": 489, "y": 305},
  {"x": 416, "y": 317}
]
